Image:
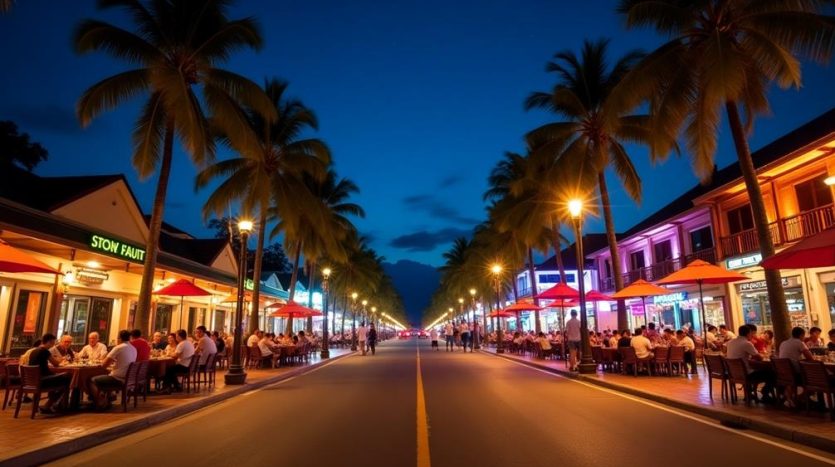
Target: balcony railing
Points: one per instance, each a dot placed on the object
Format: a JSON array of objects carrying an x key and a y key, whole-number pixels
[
  {"x": 783, "y": 231},
  {"x": 658, "y": 270}
]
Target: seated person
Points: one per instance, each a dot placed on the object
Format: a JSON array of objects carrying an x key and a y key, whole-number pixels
[
  {"x": 794, "y": 349},
  {"x": 205, "y": 345},
  {"x": 184, "y": 354},
  {"x": 642, "y": 345},
  {"x": 158, "y": 343},
  {"x": 741, "y": 347},
  {"x": 24, "y": 359},
  {"x": 830, "y": 346},
  {"x": 689, "y": 350},
  {"x": 171, "y": 346},
  {"x": 254, "y": 338},
  {"x": 143, "y": 348},
  {"x": 120, "y": 357},
  {"x": 94, "y": 350},
  {"x": 544, "y": 343},
  {"x": 63, "y": 349},
  {"x": 625, "y": 339},
  {"x": 712, "y": 339},
  {"x": 57, "y": 385},
  {"x": 814, "y": 341},
  {"x": 220, "y": 344}
]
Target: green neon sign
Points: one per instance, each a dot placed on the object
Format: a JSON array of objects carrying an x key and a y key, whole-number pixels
[
  {"x": 117, "y": 248},
  {"x": 249, "y": 284}
]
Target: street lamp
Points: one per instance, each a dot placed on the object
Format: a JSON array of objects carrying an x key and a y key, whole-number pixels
[
  {"x": 575, "y": 208},
  {"x": 364, "y": 313},
  {"x": 476, "y": 336},
  {"x": 497, "y": 273},
  {"x": 236, "y": 373},
  {"x": 354, "y": 321},
  {"x": 326, "y": 274}
]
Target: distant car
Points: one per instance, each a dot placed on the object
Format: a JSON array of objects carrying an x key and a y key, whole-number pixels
[
  {"x": 422, "y": 334},
  {"x": 404, "y": 334}
]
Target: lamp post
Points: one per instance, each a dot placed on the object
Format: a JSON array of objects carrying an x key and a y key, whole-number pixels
[
  {"x": 497, "y": 274},
  {"x": 354, "y": 321},
  {"x": 326, "y": 274},
  {"x": 364, "y": 312},
  {"x": 476, "y": 336},
  {"x": 236, "y": 373},
  {"x": 575, "y": 208}
]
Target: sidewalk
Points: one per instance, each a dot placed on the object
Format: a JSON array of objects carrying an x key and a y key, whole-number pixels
[
  {"x": 690, "y": 393},
  {"x": 27, "y": 442}
]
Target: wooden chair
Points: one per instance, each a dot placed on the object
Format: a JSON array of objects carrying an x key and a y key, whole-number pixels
[
  {"x": 716, "y": 370},
  {"x": 661, "y": 361},
  {"x": 207, "y": 372},
  {"x": 189, "y": 380},
  {"x": 30, "y": 383},
  {"x": 11, "y": 370},
  {"x": 597, "y": 355},
  {"x": 129, "y": 386},
  {"x": 629, "y": 358},
  {"x": 253, "y": 357},
  {"x": 817, "y": 380},
  {"x": 142, "y": 382},
  {"x": 676, "y": 360},
  {"x": 738, "y": 376},
  {"x": 786, "y": 379}
]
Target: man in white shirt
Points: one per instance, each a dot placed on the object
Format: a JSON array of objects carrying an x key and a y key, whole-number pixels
[
  {"x": 254, "y": 338},
  {"x": 712, "y": 340},
  {"x": 94, "y": 350},
  {"x": 689, "y": 349},
  {"x": 642, "y": 345},
  {"x": 572, "y": 337},
  {"x": 63, "y": 349},
  {"x": 726, "y": 333},
  {"x": 120, "y": 357},
  {"x": 742, "y": 347},
  {"x": 362, "y": 335},
  {"x": 205, "y": 345},
  {"x": 464, "y": 329},
  {"x": 183, "y": 355},
  {"x": 795, "y": 350},
  {"x": 449, "y": 337}
]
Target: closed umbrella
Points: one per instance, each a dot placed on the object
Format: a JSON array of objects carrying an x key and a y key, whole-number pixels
[
  {"x": 816, "y": 251},
  {"x": 640, "y": 289},
  {"x": 14, "y": 260},
  {"x": 701, "y": 272},
  {"x": 182, "y": 288}
]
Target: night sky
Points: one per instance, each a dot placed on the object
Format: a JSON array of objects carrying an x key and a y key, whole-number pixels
[{"x": 417, "y": 100}]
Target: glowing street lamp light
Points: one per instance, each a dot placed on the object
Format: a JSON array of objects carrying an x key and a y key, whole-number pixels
[
  {"x": 236, "y": 373},
  {"x": 497, "y": 276},
  {"x": 326, "y": 274},
  {"x": 575, "y": 208},
  {"x": 829, "y": 180}
]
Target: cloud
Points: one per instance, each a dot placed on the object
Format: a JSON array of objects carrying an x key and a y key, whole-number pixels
[
  {"x": 437, "y": 209},
  {"x": 450, "y": 181},
  {"x": 425, "y": 240},
  {"x": 52, "y": 118}
]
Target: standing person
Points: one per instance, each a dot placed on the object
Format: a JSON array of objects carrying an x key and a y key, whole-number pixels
[
  {"x": 449, "y": 336},
  {"x": 572, "y": 336},
  {"x": 475, "y": 334},
  {"x": 465, "y": 335},
  {"x": 433, "y": 336},
  {"x": 362, "y": 336},
  {"x": 456, "y": 333},
  {"x": 372, "y": 339}
]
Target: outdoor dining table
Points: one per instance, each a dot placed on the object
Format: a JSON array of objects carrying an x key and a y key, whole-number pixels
[
  {"x": 82, "y": 375},
  {"x": 157, "y": 367}
]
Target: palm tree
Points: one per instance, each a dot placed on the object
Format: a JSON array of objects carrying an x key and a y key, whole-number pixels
[
  {"x": 591, "y": 137},
  {"x": 722, "y": 55},
  {"x": 175, "y": 48},
  {"x": 6, "y": 5},
  {"x": 271, "y": 165}
]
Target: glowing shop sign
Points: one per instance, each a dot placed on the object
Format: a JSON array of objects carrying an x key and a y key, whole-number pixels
[
  {"x": 249, "y": 284},
  {"x": 744, "y": 261},
  {"x": 670, "y": 298},
  {"x": 117, "y": 248}
]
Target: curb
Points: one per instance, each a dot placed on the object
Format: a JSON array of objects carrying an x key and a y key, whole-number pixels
[
  {"x": 65, "y": 448},
  {"x": 771, "y": 429}
]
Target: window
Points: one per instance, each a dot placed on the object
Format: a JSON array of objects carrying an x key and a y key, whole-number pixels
[
  {"x": 570, "y": 277},
  {"x": 607, "y": 266},
  {"x": 27, "y": 320},
  {"x": 701, "y": 239},
  {"x": 549, "y": 278},
  {"x": 162, "y": 318},
  {"x": 663, "y": 251},
  {"x": 101, "y": 310},
  {"x": 740, "y": 219},
  {"x": 813, "y": 194},
  {"x": 636, "y": 260}
]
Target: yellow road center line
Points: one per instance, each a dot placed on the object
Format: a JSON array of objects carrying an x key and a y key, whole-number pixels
[{"x": 422, "y": 423}]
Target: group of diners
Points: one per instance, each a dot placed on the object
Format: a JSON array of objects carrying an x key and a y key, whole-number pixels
[{"x": 269, "y": 344}]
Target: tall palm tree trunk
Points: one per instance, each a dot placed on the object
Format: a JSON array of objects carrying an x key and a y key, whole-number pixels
[
  {"x": 344, "y": 307},
  {"x": 143, "y": 307},
  {"x": 555, "y": 226},
  {"x": 312, "y": 274},
  {"x": 776, "y": 296},
  {"x": 256, "y": 273},
  {"x": 623, "y": 322},
  {"x": 294, "y": 278},
  {"x": 534, "y": 290}
]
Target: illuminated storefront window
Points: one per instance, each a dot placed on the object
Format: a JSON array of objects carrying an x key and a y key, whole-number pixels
[{"x": 756, "y": 309}]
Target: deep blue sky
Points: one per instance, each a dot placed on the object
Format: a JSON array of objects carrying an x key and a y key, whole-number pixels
[{"x": 417, "y": 99}]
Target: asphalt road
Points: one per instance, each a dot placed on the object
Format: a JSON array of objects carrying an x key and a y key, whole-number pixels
[{"x": 482, "y": 411}]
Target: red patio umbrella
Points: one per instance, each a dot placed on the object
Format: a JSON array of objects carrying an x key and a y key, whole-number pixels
[
  {"x": 500, "y": 314},
  {"x": 562, "y": 294},
  {"x": 701, "y": 272},
  {"x": 14, "y": 260},
  {"x": 292, "y": 310},
  {"x": 182, "y": 288},
  {"x": 520, "y": 307},
  {"x": 816, "y": 251},
  {"x": 595, "y": 296}
]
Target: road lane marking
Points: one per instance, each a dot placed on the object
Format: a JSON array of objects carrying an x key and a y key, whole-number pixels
[
  {"x": 422, "y": 424},
  {"x": 711, "y": 423}
]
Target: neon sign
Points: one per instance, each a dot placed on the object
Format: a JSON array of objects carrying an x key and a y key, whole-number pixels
[{"x": 117, "y": 248}]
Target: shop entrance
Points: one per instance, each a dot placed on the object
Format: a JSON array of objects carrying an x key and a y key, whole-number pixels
[{"x": 81, "y": 315}]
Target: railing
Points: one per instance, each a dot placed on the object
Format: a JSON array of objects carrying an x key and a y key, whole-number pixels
[
  {"x": 662, "y": 269},
  {"x": 785, "y": 230},
  {"x": 707, "y": 255},
  {"x": 607, "y": 284}
]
